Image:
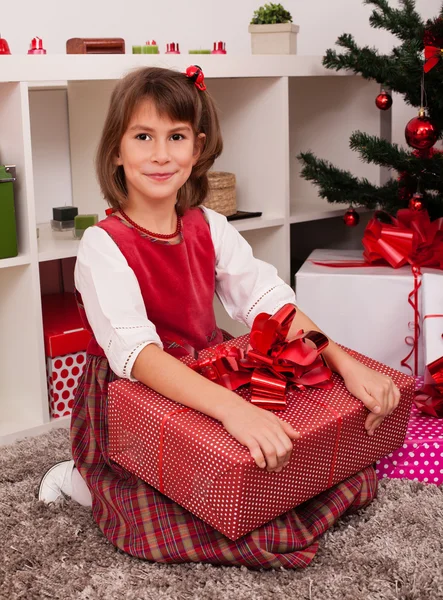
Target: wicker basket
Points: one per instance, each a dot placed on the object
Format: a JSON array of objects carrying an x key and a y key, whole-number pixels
[{"x": 221, "y": 196}]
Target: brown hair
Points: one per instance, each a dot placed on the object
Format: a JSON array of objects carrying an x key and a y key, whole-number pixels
[{"x": 175, "y": 96}]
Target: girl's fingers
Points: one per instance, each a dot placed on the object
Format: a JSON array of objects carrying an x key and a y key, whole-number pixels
[
  {"x": 372, "y": 425},
  {"x": 289, "y": 430},
  {"x": 269, "y": 452},
  {"x": 257, "y": 454}
]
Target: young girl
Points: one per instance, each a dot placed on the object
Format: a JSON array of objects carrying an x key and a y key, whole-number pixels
[{"x": 146, "y": 277}]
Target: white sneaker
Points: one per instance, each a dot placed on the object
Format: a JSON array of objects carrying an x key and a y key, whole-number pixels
[{"x": 56, "y": 482}]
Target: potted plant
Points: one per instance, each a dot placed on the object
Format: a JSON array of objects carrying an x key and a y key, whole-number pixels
[{"x": 272, "y": 31}]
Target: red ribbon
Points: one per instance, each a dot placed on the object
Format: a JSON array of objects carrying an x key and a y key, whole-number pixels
[
  {"x": 166, "y": 417},
  {"x": 433, "y": 55},
  {"x": 429, "y": 399},
  {"x": 271, "y": 365}
]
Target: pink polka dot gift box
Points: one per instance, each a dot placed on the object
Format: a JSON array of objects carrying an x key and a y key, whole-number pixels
[
  {"x": 192, "y": 459},
  {"x": 420, "y": 458}
]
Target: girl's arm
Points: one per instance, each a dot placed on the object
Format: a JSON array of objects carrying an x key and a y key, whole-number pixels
[{"x": 267, "y": 437}]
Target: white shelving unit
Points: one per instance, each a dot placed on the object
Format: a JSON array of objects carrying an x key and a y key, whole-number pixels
[{"x": 271, "y": 108}]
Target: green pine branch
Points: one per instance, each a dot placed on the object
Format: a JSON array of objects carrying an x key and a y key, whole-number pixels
[
  {"x": 400, "y": 71},
  {"x": 405, "y": 24}
]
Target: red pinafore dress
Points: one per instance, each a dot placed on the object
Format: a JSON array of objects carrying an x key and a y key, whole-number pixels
[{"x": 177, "y": 282}]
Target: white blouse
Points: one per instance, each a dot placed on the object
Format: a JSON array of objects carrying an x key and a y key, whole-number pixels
[{"x": 114, "y": 305}]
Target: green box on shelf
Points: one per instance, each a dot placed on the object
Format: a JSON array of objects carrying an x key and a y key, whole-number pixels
[
  {"x": 199, "y": 52},
  {"x": 82, "y": 222},
  {"x": 8, "y": 228},
  {"x": 147, "y": 49}
]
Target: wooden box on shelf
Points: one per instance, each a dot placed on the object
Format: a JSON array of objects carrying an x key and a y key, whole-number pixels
[{"x": 95, "y": 46}]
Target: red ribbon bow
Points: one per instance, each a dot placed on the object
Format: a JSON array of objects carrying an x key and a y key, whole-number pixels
[
  {"x": 433, "y": 55},
  {"x": 271, "y": 365},
  {"x": 429, "y": 399},
  {"x": 410, "y": 238}
]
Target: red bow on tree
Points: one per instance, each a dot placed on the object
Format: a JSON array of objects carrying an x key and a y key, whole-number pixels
[{"x": 433, "y": 44}]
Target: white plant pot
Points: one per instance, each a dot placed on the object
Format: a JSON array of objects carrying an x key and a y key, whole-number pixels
[{"x": 280, "y": 38}]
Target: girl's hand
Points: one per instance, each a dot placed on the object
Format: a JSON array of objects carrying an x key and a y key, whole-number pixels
[
  {"x": 377, "y": 392},
  {"x": 267, "y": 437}
]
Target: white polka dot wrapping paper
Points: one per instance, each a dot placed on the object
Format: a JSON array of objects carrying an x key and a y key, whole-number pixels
[
  {"x": 420, "y": 457},
  {"x": 205, "y": 470}
]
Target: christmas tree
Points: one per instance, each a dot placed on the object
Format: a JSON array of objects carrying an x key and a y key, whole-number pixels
[{"x": 414, "y": 68}]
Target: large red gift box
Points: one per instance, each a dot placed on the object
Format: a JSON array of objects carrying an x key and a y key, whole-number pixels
[{"x": 192, "y": 459}]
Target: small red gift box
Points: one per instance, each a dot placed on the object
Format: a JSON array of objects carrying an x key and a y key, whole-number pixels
[
  {"x": 192, "y": 459},
  {"x": 63, "y": 329}
]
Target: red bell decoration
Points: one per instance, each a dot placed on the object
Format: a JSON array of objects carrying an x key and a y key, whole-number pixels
[
  {"x": 383, "y": 100},
  {"x": 219, "y": 48},
  {"x": 417, "y": 202},
  {"x": 351, "y": 218},
  {"x": 36, "y": 46},
  {"x": 4, "y": 46},
  {"x": 421, "y": 132},
  {"x": 172, "y": 48}
]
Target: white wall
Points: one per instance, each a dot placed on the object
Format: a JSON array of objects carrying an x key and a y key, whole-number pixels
[{"x": 192, "y": 23}]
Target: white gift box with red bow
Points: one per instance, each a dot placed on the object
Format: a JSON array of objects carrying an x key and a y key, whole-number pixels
[{"x": 367, "y": 307}]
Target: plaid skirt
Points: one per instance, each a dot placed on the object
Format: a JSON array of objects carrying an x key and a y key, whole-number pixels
[{"x": 140, "y": 521}]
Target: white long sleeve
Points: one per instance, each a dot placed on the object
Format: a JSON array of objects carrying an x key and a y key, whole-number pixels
[
  {"x": 245, "y": 285},
  {"x": 113, "y": 301}
]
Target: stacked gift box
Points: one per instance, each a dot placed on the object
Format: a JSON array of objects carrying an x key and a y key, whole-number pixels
[
  {"x": 366, "y": 307},
  {"x": 420, "y": 458},
  {"x": 192, "y": 459},
  {"x": 66, "y": 341},
  {"x": 387, "y": 302}
]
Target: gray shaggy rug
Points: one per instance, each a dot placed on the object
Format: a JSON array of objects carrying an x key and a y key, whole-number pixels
[{"x": 391, "y": 550}]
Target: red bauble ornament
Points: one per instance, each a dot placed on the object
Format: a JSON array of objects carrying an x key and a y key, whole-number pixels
[
  {"x": 421, "y": 132},
  {"x": 384, "y": 101},
  {"x": 417, "y": 202},
  {"x": 351, "y": 218}
]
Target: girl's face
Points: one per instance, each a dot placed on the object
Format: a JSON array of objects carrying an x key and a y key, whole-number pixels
[{"x": 157, "y": 155}]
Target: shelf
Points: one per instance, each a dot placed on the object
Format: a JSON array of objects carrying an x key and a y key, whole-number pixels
[
  {"x": 257, "y": 223},
  {"x": 16, "y": 261},
  {"x": 80, "y": 67},
  {"x": 318, "y": 209},
  {"x": 53, "y": 245}
]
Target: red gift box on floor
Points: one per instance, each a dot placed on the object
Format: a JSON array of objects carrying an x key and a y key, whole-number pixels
[
  {"x": 63, "y": 329},
  {"x": 192, "y": 459},
  {"x": 63, "y": 373}
]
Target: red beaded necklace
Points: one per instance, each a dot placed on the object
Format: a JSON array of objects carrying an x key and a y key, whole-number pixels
[{"x": 161, "y": 236}]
